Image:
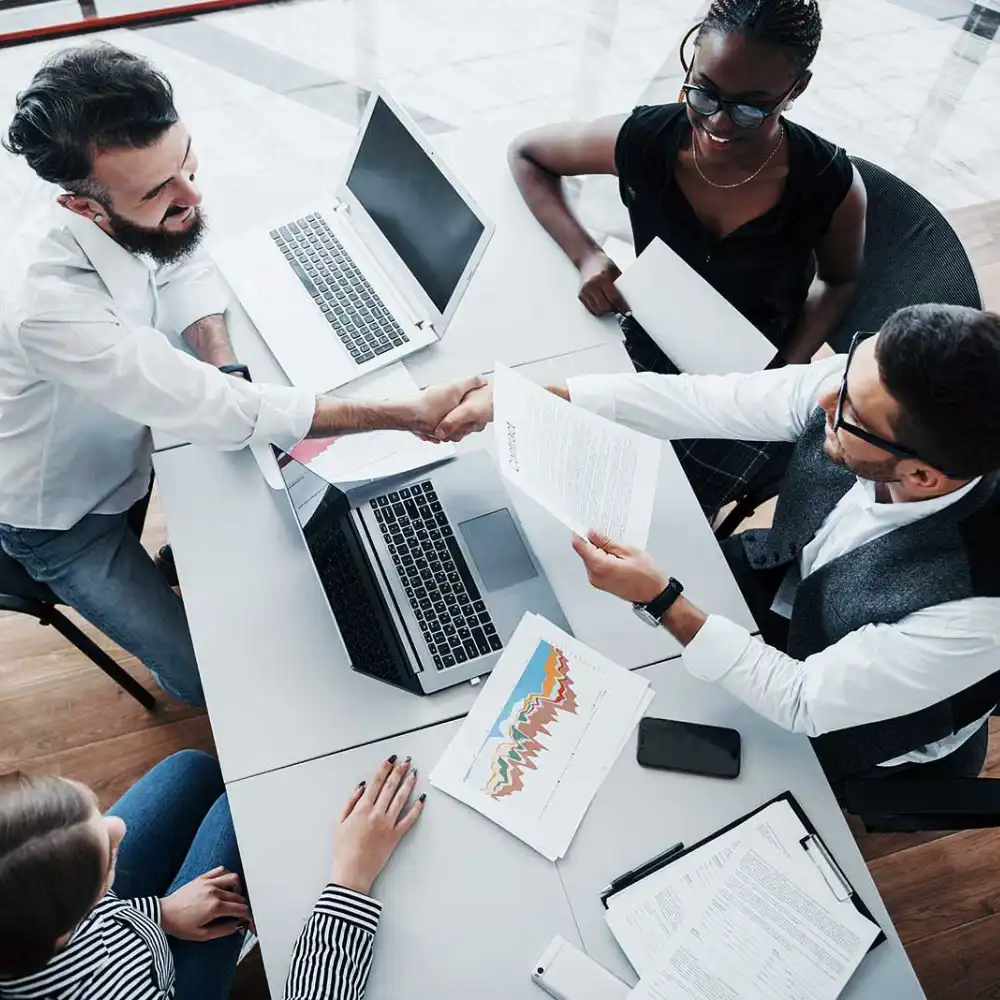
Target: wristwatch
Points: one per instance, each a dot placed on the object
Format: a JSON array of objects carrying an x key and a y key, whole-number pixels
[
  {"x": 236, "y": 370},
  {"x": 652, "y": 612}
]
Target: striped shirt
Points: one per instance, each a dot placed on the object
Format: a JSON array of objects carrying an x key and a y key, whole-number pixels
[{"x": 119, "y": 952}]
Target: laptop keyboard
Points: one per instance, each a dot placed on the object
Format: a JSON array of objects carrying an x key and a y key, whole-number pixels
[
  {"x": 350, "y": 305},
  {"x": 445, "y": 599}
]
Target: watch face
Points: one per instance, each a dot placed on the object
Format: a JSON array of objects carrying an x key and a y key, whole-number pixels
[{"x": 643, "y": 613}]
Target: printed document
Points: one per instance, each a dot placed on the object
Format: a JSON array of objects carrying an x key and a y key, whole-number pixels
[
  {"x": 550, "y": 722},
  {"x": 762, "y": 935},
  {"x": 699, "y": 330},
  {"x": 588, "y": 472},
  {"x": 646, "y": 917}
]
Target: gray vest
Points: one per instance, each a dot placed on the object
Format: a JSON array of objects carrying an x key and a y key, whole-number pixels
[{"x": 947, "y": 556}]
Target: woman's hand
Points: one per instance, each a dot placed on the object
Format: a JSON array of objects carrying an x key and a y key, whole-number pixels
[
  {"x": 372, "y": 824},
  {"x": 207, "y": 908},
  {"x": 598, "y": 293}
]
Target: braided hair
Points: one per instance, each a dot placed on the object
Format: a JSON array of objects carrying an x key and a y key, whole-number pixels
[{"x": 792, "y": 25}]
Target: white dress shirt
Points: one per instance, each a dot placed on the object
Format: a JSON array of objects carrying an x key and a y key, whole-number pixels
[
  {"x": 91, "y": 358},
  {"x": 877, "y": 672}
]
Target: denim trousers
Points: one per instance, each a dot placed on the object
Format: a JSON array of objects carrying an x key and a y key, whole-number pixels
[
  {"x": 100, "y": 568},
  {"x": 178, "y": 827}
]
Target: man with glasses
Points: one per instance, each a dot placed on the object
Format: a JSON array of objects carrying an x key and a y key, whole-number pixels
[{"x": 877, "y": 589}]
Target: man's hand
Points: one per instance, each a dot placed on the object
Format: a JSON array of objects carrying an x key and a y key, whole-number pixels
[
  {"x": 469, "y": 417},
  {"x": 619, "y": 569},
  {"x": 423, "y": 413},
  {"x": 372, "y": 824},
  {"x": 597, "y": 284},
  {"x": 191, "y": 912}
]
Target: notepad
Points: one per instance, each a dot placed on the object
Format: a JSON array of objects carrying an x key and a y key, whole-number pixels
[{"x": 760, "y": 911}]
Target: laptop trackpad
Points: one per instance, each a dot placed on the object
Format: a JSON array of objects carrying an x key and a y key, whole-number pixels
[{"x": 498, "y": 550}]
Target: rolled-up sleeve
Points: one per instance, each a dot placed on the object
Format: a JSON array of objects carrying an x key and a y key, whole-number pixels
[
  {"x": 135, "y": 372},
  {"x": 189, "y": 291}
]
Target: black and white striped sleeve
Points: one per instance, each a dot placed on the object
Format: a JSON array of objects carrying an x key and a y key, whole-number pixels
[
  {"x": 148, "y": 906},
  {"x": 333, "y": 956}
]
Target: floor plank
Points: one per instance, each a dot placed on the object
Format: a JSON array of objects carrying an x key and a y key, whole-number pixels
[{"x": 960, "y": 964}]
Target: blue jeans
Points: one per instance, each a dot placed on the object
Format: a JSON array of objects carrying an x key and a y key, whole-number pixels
[
  {"x": 179, "y": 827},
  {"x": 100, "y": 568}
]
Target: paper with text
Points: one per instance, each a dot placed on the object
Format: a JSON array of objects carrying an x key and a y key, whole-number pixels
[
  {"x": 646, "y": 916},
  {"x": 588, "y": 472},
  {"x": 762, "y": 935}
]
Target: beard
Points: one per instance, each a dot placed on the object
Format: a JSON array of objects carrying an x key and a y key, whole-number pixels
[
  {"x": 875, "y": 472},
  {"x": 163, "y": 246}
]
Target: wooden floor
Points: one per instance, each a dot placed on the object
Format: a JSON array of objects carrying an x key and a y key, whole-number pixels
[{"x": 59, "y": 713}]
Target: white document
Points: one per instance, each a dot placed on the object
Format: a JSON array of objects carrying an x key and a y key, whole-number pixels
[
  {"x": 359, "y": 458},
  {"x": 543, "y": 734},
  {"x": 588, "y": 472},
  {"x": 689, "y": 320},
  {"x": 762, "y": 935},
  {"x": 646, "y": 917}
]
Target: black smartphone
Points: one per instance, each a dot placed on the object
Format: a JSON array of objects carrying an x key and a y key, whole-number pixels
[{"x": 690, "y": 747}]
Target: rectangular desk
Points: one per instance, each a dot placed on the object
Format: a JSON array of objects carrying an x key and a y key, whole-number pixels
[
  {"x": 469, "y": 908},
  {"x": 275, "y": 672}
]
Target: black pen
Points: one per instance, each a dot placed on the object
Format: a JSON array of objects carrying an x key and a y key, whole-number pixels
[{"x": 647, "y": 868}]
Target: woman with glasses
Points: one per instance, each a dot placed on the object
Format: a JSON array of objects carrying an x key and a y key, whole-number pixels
[{"x": 770, "y": 214}]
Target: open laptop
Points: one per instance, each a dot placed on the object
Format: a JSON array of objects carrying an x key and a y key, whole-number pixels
[
  {"x": 348, "y": 288},
  {"x": 428, "y": 580}
]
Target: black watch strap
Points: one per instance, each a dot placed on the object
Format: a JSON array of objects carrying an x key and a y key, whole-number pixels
[
  {"x": 660, "y": 604},
  {"x": 236, "y": 370}
]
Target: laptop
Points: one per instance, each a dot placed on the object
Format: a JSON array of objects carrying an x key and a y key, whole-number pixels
[
  {"x": 428, "y": 580},
  {"x": 344, "y": 289}
]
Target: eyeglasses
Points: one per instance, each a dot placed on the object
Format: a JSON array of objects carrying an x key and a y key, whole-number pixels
[
  {"x": 704, "y": 102},
  {"x": 745, "y": 116},
  {"x": 840, "y": 424}
]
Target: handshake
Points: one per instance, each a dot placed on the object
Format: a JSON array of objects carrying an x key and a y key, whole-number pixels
[{"x": 449, "y": 412}]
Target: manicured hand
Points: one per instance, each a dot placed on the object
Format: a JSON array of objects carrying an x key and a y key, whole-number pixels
[
  {"x": 597, "y": 284},
  {"x": 191, "y": 912},
  {"x": 469, "y": 417},
  {"x": 619, "y": 569},
  {"x": 423, "y": 413},
  {"x": 372, "y": 823}
]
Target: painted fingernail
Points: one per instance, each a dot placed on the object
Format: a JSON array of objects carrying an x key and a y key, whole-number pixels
[
  {"x": 407, "y": 761},
  {"x": 423, "y": 798},
  {"x": 413, "y": 775},
  {"x": 361, "y": 784},
  {"x": 392, "y": 759}
]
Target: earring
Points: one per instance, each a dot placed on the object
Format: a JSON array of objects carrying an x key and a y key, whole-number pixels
[{"x": 98, "y": 218}]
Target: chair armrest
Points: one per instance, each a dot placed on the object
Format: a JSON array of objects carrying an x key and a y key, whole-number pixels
[{"x": 925, "y": 804}]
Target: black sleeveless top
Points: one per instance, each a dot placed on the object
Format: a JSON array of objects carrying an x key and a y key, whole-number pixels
[{"x": 765, "y": 267}]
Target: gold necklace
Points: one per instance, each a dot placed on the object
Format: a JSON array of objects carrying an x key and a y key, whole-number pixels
[{"x": 701, "y": 173}]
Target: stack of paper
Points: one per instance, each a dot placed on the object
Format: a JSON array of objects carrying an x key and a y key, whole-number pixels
[
  {"x": 752, "y": 915},
  {"x": 543, "y": 734},
  {"x": 590, "y": 473}
]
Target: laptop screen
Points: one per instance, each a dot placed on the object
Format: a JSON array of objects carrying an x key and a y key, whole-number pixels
[{"x": 423, "y": 217}]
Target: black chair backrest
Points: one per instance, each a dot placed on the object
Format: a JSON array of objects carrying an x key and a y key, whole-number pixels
[{"x": 912, "y": 255}]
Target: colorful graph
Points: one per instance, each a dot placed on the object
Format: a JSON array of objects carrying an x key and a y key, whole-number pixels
[{"x": 542, "y": 694}]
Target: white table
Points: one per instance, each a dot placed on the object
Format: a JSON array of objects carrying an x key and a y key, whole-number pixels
[
  {"x": 469, "y": 908},
  {"x": 275, "y": 672}
]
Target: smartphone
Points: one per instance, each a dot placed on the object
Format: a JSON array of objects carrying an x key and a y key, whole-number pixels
[
  {"x": 566, "y": 973},
  {"x": 689, "y": 747}
]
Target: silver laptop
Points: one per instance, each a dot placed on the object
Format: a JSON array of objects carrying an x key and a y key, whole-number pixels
[
  {"x": 427, "y": 576},
  {"x": 348, "y": 288}
]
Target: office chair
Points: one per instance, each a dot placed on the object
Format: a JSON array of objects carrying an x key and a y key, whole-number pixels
[
  {"x": 912, "y": 255},
  {"x": 20, "y": 593}
]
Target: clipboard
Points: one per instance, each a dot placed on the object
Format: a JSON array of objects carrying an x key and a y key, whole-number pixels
[{"x": 812, "y": 843}]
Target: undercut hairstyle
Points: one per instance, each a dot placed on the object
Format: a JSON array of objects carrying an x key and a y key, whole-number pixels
[
  {"x": 52, "y": 867},
  {"x": 942, "y": 366},
  {"x": 794, "y": 26},
  {"x": 86, "y": 99}
]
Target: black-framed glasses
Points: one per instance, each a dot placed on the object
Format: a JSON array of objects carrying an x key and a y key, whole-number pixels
[
  {"x": 840, "y": 424},
  {"x": 743, "y": 115}
]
